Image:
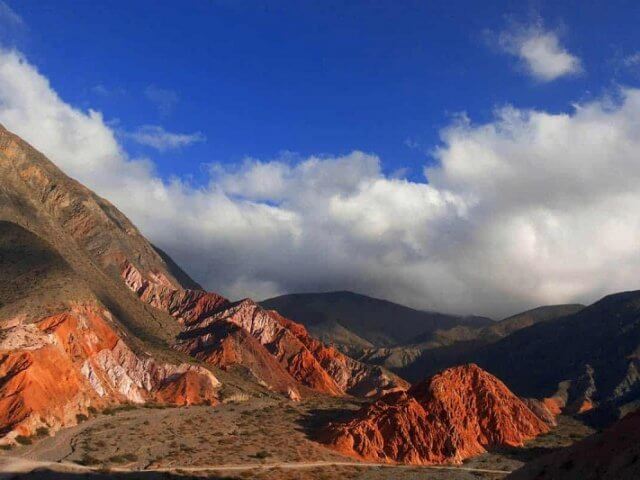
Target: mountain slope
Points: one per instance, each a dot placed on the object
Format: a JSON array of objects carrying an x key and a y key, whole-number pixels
[
  {"x": 443, "y": 348},
  {"x": 593, "y": 355},
  {"x": 613, "y": 454},
  {"x": 452, "y": 416},
  {"x": 72, "y": 310},
  {"x": 301, "y": 358},
  {"x": 62, "y": 352},
  {"x": 380, "y": 322}
]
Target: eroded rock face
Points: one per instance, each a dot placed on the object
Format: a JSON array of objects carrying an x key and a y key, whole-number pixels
[
  {"x": 543, "y": 409},
  {"x": 55, "y": 369},
  {"x": 280, "y": 353},
  {"x": 454, "y": 415}
]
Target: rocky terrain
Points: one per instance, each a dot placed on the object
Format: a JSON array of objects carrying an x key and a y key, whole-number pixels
[
  {"x": 218, "y": 331},
  {"x": 102, "y": 332},
  {"x": 454, "y": 415},
  {"x": 75, "y": 337},
  {"x": 613, "y": 454},
  {"x": 58, "y": 365},
  {"x": 585, "y": 360},
  {"x": 433, "y": 351}
]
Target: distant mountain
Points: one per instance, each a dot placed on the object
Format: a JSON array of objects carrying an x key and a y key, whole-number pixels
[
  {"x": 589, "y": 358},
  {"x": 379, "y": 322},
  {"x": 434, "y": 351}
]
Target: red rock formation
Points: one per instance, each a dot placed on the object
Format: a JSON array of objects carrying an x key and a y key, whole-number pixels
[
  {"x": 57, "y": 368},
  {"x": 157, "y": 290},
  {"x": 454, "y": 415},
  {"x": 211, "y": 333},
  {"x": 613, "y": 454},
  {"x": 542, "y": 411}
]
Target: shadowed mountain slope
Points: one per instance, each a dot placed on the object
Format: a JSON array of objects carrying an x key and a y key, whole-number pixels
[
  {"x": 380, "y": 322},
  {"x": 613, "y": 454}
]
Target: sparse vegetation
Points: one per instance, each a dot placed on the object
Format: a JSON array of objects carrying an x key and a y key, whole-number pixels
[
  {"x": 262, "y": 454},
  {"x": 23, "y": 440},
  {"x": 127, "y": 457},
  {"x": 88, "y": 460}
]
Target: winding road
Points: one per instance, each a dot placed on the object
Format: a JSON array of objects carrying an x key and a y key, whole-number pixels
[{"x": 11, "y": 465}]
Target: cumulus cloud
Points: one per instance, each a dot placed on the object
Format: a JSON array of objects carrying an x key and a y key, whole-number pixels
[
  {"x": 531, "y": 208},
  {"x": 540, "y": 52},
  {"x": 157, "y": 137}
]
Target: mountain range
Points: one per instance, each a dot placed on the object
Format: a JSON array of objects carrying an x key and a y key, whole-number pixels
[{"x": 94, "y": 319}]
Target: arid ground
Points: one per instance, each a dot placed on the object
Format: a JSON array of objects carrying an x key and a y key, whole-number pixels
[{"x": 268, "y": 438}]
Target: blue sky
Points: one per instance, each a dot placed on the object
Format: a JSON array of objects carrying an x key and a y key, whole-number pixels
[
  {"x": 274, "y": 147},
  {"x": 312, "y": 77}
]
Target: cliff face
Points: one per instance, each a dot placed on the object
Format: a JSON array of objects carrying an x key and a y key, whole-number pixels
[
  {"x": 55, "y": 369},
  {"x": 225, "y": 333},
  {"x": 454, "y": 415}
]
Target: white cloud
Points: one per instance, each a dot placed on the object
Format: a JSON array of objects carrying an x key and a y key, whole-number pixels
[
  {"x": 540, "y": 52},
  {"x": 9, "y": 16},
  {"x": 530, "y": 208},
  {"x": 632, "y": 60},
  {"x": 164, "y": 99},
  {"x": 157, "y": 137}
]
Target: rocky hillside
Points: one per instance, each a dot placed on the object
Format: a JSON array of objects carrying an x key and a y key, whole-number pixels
[
  {"x": 584, "y": 360},
  {"x": 62, "y": 352},
  {"x": 278, "y": 352},
  {"x": 454, "y": 415},
  {"x": 72, "y": 310},
  {"x": 613, "y": 454},
  {"x": 433, "y": 351}
]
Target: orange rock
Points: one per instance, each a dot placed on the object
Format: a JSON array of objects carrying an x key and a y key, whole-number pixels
[
  {"x": 54, "y": 370},
  {"x": 279, "y": 352},
  {"x": 454, "y": 415}
]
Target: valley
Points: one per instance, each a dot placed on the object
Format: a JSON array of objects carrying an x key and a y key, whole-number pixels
[
  {"x": 114, "y": 363},
  {"x": 266, "y": 438}
]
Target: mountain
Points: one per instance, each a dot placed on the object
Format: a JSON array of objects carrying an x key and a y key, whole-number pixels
[
  {"x": 301, "y": 360},
  {"x": 613, "y": 454},
  {"x": 586, "y": 359},
  {"x": 72, "y": 337},
  {"x": 442, "y": 348},
  {"x": 62, "y": 352},
  {"x": 379, "y": 322},
  {"x": 452, "y": 416},
  {"x": 93, "y": 315}
]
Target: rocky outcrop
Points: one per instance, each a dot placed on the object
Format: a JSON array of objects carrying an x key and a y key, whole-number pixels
[
  {"x": 224, "y": 333},
  {"x": 542, "y": 410},
  {"x": 54, "y": 370},
  {"x": 454, "y": 415},
  {"x": 613, "y": 454}
]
